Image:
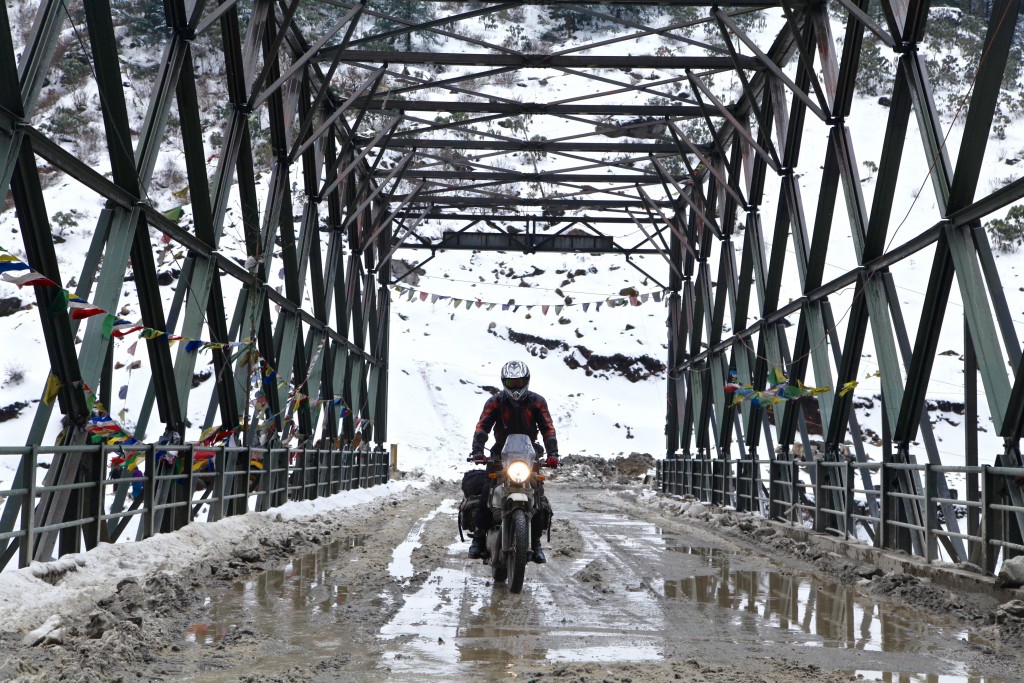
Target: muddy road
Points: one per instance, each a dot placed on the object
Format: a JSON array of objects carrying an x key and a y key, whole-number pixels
[{"x": 637, "y": 588}]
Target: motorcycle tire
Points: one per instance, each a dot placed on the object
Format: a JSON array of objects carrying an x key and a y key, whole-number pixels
[{"x": 519, "y": 551}]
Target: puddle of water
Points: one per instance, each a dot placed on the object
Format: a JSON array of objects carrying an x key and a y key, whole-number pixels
[
  {"x": 401, "y": 558},
  {"x": 308, "y": 585},
  {"x": 834, "y": 614},
  {"x": 429, "y": 621},
  {"x": 888, "y": 677},
  {"x": 458, "y": 618}
]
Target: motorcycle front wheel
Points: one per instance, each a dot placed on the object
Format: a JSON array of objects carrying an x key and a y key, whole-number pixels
[{"x": 519, "y": 551}]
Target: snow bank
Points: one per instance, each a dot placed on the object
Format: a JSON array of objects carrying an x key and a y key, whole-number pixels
[{"x": 78, "y": 581}]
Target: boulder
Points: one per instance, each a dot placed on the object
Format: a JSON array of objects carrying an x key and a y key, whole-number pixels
[
  {"x": 9, "y": 305},
  {"x": 868, "y": 571},
  {"x": 1011, "y": 574},
  {"x": 1010, "y": 611}
]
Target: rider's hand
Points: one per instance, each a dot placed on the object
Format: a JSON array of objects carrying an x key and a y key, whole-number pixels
[
  {"x": 552, "y": 460},
  {"x": 478, "y": 458}
]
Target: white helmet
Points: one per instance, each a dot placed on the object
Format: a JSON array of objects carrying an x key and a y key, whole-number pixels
[{"x": 515, "y": 378}]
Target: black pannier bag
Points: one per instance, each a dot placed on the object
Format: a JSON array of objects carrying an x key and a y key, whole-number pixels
[
  {"x": 467, "y": 514},
  {"x": 474, "y": 483}
]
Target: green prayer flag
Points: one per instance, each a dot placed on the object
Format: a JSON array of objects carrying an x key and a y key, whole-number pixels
[
  {"x": 108, "y": 325},
  {"x": 59, "y": 303}
]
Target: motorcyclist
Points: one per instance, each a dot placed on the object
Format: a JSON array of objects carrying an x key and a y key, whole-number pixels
[{"x": 513, "y": 410}]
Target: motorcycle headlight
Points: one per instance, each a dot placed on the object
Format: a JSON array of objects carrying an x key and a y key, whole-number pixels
[{"x": 518, "y": 472}]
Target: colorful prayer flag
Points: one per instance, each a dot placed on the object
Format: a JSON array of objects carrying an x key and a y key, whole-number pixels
[
  {"x": 80, "y": 308},
  {"x": 53, "y": 387},
  {"x": 29, "y": 278}
]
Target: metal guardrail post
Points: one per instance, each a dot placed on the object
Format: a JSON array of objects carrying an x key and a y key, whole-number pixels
[
  {"x": 882, "y": 537},
  {"x": 727, "y": 486},
  {"x": 190, "y": 480},
  {"x": 149, "y": 492},
  {"x": 701, "y": 494},
  {"x": 346, "y": 466},
  {"x": 819, "y": 515},
  {"x": 755, "y": 480},
  {"x": 987, "y": 487},
  {"x": 248, "y": 478},
  {"x": 304, "y": 492},
  {"x": 317, "y": 464},
  {"x": 267, "y": 484},
  {"x": 219, "y": 485},
  {"x": 339, "y": 458},
  {"x": 28, "y": 510},
  {"x": 930, "y": 516},
  {"x": 848, "y": 529},
  {"x": 99, "y": 530}
]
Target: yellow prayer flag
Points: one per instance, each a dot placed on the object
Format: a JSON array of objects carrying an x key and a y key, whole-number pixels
[{"x": 53, "y": 387}]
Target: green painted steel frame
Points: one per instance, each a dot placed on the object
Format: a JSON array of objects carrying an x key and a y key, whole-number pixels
[{"x": 327, "y": 362}]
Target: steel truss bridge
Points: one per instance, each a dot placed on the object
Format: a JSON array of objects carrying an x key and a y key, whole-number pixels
[{"x": 344, "y": 138}]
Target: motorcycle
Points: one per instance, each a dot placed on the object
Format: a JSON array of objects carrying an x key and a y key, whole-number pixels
[{"x": 514, "y": 500}]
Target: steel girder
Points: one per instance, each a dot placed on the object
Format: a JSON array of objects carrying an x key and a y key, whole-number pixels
[
  {"x": 961, "y": 252},
  {"x": 324, "y": 348}
]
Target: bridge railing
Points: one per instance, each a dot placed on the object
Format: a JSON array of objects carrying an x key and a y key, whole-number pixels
[
  {"x": 907, "y": 511},
  {"x": 68, "y": 497}
]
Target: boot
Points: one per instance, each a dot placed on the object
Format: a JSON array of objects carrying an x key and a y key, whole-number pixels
[
  {"x": 538, "y": 554},
  {"x": 478, "y": 549}
]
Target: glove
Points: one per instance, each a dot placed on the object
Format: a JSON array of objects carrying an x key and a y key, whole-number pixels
[
  {"x": 552, "y": 460},
  {"x": 478, "y": 458}
]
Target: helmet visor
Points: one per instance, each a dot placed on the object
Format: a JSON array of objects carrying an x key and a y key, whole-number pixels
[{"x": 515, "y": 383}]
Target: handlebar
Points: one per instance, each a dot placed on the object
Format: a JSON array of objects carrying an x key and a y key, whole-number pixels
[{"x": 539, "y": 462}]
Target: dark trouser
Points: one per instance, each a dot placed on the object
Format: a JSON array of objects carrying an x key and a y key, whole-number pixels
[{"x": 541, "y": 513}]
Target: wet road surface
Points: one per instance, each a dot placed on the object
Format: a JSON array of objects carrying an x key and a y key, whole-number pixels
[{"x": 633, "y": 591}]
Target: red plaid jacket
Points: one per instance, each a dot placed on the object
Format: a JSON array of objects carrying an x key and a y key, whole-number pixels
[{"x": 530, "y": 416}]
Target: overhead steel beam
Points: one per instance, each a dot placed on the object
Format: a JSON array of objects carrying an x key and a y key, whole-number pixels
[
  {"x": 528, "y": 243},
  {"x": 436, "y": 213},
  {"x": 752, "y": 4},
  {"x": 545, "y": 177},
  {"x": 515, "y": 201},
  {"x": 538, "y": 61},
  {"x": 537, "y": 108},
  {"x": 511, "y": 145}
]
